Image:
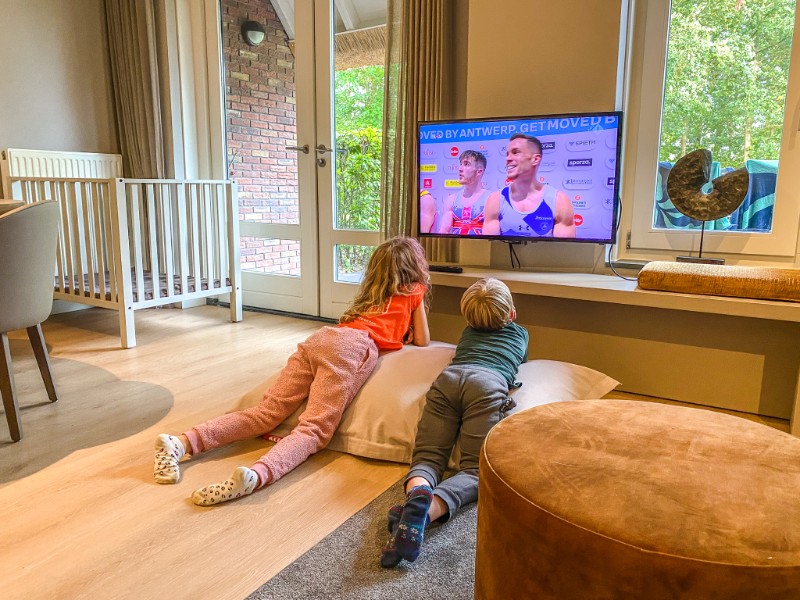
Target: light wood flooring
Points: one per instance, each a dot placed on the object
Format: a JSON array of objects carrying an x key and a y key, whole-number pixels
[{"x": 81, "y": 516}]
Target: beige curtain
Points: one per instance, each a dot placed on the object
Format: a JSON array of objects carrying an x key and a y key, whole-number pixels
[
  {"x": 418, "y": 60},
  {"x": 134, "y": 74}
]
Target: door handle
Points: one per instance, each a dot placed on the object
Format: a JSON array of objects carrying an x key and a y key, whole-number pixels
[
  {"x": 303, "y": 148},
  {"x": 322, "y": 149}
]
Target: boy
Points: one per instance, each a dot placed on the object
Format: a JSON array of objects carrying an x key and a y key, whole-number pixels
[{"x": 467, "y": 399}]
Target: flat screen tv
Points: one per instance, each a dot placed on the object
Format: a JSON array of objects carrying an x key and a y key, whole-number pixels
[{"x": 538, "y": 178}]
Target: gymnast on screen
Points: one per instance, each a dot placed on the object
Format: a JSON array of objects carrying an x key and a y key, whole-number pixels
[
  {"x": 463, "y": 211},
  {"x": 526, "y": 206},
  {"x": 428, "y": 213}
]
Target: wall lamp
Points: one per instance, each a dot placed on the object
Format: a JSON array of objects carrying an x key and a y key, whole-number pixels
[{"x": 253, "y": 33}]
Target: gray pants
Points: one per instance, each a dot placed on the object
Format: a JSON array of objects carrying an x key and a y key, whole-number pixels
[{"x": 463, "y": 404}]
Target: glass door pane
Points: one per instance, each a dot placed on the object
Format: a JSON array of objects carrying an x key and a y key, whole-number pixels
[
  {"x": 270, "y": 108},
  {"x": 350, "y": 215}
]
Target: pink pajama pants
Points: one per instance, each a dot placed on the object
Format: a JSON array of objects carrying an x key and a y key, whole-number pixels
[{"x": 328, "y": 369}]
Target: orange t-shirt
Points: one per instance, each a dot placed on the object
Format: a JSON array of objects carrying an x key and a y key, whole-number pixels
[{"x": 387, "y": 328}]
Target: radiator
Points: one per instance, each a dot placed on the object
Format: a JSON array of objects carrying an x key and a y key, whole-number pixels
[{"x": 15, "y": 162}]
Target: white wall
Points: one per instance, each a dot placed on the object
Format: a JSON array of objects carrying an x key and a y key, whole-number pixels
[
  {"x": 55, "y": 82},
  {"x": 534, "y": 57}
]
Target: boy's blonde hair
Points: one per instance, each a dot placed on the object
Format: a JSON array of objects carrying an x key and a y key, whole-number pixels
[
  {"x": 393, "y": 269},
  {"x": 487, "y": 304}
]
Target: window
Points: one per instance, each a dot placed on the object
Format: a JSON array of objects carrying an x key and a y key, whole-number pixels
[{"x": 714, "y": 74}]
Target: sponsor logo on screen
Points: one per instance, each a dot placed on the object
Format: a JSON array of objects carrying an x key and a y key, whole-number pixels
[
  {"x": 548, "y": 146},
  {"x": 578, "y": 203},
  {"x": 451, "y": 183},
  {"x": 427, "y": 152},
  {"x": 579, "y": 163},
  {"x": 577, "y": 183},
  {"x": 610, "y": 182},
  {"x": 578, "y": 220},
  {"x": 430, "y": 168},
  {"x": 581, "y": 145},
  {"x": 427, "y": 183},
  {"x": 454, "y": 151}
]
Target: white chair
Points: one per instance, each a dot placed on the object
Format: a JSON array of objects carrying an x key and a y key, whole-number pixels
[{"x": 28, "y": 238}]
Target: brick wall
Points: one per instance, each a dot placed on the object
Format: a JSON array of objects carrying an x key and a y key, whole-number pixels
[{"x": 260, "y": 106}]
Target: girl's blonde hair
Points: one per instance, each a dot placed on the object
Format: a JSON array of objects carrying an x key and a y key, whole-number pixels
[
  {"x": 487, "y": 304},
  {"x": 393, "y": 269}
]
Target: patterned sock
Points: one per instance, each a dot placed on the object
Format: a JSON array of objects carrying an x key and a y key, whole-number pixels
[
  {"x": 395, "y": 513},
  {"x": 389, "y": 556},
  {"x": 412, "y": 525},
  {"x": 242, "y": 483},
  {"x": 169, "y": 451}
]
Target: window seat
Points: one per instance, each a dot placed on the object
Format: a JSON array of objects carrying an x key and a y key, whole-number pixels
[
  {"x": 615, "y": 290},
  {"x": 719, "y": 344}
]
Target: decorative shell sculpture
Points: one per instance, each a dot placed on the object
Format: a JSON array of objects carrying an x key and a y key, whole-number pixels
[{"x": 685, "y": 188}]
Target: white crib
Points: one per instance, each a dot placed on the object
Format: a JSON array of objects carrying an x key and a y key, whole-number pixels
[{"x": 127, "y": 244}]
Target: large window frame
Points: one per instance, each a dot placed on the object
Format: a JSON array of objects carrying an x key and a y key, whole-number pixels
[{"x": 644, "y": 93}]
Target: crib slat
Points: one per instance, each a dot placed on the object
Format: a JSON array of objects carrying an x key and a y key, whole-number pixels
[
  {"x": 208, "y": 240},
  {"x": 217, "y": 278},
  {"x": 110, "y": 248},
  {"x": 137, "y": 199},
  {"x": 152, "y": 223},
  {"x": 88, "y": 265},
  {"x": 69, "y": 233},
  {"x": 169, "y": 247},
  {"x": 195, "y": 207},
  {"x": 80, "y": 241},
  {"x": 58, "y": 195},
  {"x": 182, "y": 233},
  {"x": 97, "y": 236}
]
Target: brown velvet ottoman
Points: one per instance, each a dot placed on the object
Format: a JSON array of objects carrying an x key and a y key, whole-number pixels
[{"x": 617, "y": 499}]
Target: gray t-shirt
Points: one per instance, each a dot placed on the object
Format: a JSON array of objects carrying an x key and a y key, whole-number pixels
[{"x": 502, "y": 350}]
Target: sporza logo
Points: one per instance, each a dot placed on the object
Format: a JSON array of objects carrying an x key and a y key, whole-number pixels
[{"x": 579, "y": 163}]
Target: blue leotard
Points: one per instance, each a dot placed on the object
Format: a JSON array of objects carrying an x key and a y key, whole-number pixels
[{"x": 538, "y": 223}]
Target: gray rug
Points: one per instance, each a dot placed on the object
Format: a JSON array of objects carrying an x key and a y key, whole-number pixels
[{"x": 346, "y": 564}]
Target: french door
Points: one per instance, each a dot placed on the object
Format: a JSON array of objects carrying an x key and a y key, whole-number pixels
[{"x": 314, "y": 255}]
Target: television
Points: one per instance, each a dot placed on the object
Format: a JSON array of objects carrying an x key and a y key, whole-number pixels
[{"x": 521, "y": 179}]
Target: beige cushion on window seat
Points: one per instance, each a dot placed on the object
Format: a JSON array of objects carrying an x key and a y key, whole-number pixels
[{"x": 764, "y": 283}]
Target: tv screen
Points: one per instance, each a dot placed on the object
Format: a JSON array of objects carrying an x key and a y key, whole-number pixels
[{"x": 539, "y": 178}]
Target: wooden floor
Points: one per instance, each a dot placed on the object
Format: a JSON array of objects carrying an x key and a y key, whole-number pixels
[{"x": 81, "y": 515}]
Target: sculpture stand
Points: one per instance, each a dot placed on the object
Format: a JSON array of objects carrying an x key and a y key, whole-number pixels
[{"x": 699, "y": 258}]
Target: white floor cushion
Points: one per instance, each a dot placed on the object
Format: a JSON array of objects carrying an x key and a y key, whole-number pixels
[{"x": 382, "y": 420}]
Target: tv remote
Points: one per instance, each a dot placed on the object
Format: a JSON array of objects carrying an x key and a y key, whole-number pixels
[{"x": 446, "y": 269}]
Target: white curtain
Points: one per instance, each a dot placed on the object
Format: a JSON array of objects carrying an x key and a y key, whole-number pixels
[
  {"x": 418, "y": 65},
  {"x": 134, "y": 72}
]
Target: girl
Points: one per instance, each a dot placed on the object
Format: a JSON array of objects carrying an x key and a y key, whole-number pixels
[{"x": 328, "y": 369}]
